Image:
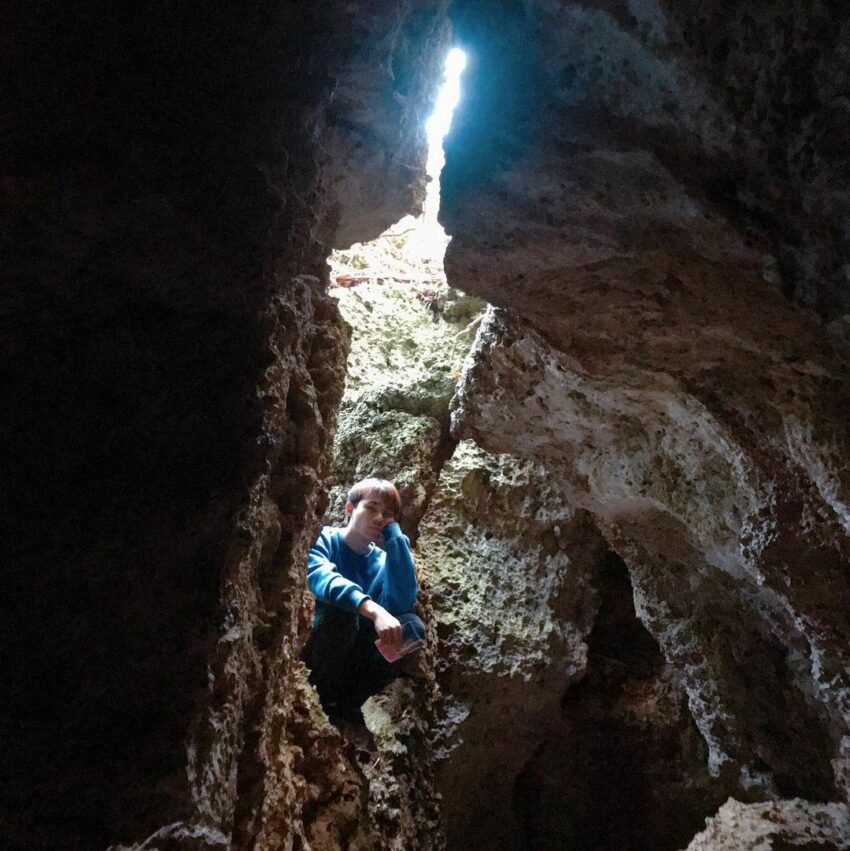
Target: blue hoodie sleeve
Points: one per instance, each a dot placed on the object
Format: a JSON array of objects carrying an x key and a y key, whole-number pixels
[
  {"x": 400, "y": 587},
  {"x": 325, "y": 580}
]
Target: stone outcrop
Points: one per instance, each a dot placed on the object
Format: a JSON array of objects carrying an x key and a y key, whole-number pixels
[
  {"x": 635, "y": 134},
  {"x": 673, "y": 493},
  {"x": 556, "y": 701},
  {"x": 510, "y": 566},
  {"x": 777, "y": 824},
  {"x": 648, "y": 206},
  {"x": 407, "y": 348},
  {"x": 386, "y": 77},
  {"x": 406, "y": 353}
]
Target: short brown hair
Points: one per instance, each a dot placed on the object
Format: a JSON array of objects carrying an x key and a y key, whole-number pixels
[{"x": 385, "y": 489}]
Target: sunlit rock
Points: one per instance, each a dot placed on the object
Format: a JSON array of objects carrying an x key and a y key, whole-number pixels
[{"x": 776, "y": 824}]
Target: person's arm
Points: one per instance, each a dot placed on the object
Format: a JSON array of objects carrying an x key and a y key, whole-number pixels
[
  {"x": 325, "y": 580},
  {"x": 387, "y": 625},
  {"x": 400, "y": 586}
]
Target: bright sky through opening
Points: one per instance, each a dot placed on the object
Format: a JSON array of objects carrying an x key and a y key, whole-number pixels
[
  {"x": 430, "y": 240},
  {"x": 441, "y": 119},
  {"x": 422, "y": 240}
]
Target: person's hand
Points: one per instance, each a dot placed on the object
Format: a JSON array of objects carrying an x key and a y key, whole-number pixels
[{"x": 388, "y": 628}]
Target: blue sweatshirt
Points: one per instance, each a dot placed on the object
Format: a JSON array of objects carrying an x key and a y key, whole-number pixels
[{"x": 340, "y": 577}]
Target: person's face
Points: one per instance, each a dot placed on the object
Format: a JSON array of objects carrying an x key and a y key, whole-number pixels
[{"x": 369, "y": 516}]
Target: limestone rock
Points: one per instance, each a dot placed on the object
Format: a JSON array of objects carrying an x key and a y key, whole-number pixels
[
  {"x": 406, "y": 353},
  {"x": 508, "y": 562},
  {"x": 636, "y": 137},
  {"x": 403, "y": 808},
  {"x": 407, "y": 345},
  {"x": 698, "y": 522},
  {"x": 387, "y": 74},
  {"x": 623, "y": 766},
  {"x": 644, "y": 190},
  {"x": 392, "y": 445},
  {"x": 777, "y": 824}
]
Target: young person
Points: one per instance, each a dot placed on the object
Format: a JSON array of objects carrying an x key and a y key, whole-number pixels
[{"x": 364, "y": 581}]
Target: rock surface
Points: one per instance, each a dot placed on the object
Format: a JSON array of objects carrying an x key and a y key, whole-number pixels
[
  {"x": 556, "y": 700},
  {"x": 656, "y": 191},
  {"x": 642, "y": 188},
  {"x": 408, "y": 345},
  {"x": 694, "y": 519},
  {"x": 509, "y": 565},
  {"x": 386, "y": 78},
  {"x": 173, "y": 178},
  {"x": 777, "y": 824},
  {"x": 635, "y": 135}
]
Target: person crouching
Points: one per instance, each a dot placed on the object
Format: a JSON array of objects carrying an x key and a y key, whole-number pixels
[{"x": 364, "y": 580}]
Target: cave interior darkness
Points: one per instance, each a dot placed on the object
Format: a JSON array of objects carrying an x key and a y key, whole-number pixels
[{"x": 617, "y": 416}]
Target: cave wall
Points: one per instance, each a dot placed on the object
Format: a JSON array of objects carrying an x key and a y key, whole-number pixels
[
  {"x": 642, "y": 191},
  {"x": 173, "y": 177},
  {"x": 408, "y": 344},
  {"x": 654, "y": 194},
  {"x": 511, "y": 567}
]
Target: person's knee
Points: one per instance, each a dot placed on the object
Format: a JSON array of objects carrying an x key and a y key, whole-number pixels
[
  {"x": 333, "y": 636},
  {"x": 412, "y": 627}
]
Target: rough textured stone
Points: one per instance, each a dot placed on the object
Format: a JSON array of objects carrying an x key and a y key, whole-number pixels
[
  {"x": 386, "y": 82},
  {"x": 624, "y": 766},
  {"x": 755, "y": 637},
  {"x": 172, "y": 368},
  {"x": 626, "y": 136},
  {"x": 658, "y": 190},
  {"x": 648, "y": 197},
  {"x": 508, "y": 563},
  {"x": 776, "y": 825},
  {"x": 403, "y": 809},
  {"x": 408, "y": 345}
]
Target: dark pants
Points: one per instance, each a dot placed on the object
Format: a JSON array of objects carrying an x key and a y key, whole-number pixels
[{"x": 345, "y": 666}]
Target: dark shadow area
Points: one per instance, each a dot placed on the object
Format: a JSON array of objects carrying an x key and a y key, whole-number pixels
[
  {"x": 122, "y": 442},
  {"x": 625, "y": 768}
]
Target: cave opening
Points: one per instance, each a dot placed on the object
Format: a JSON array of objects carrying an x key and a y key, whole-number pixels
[
  {"x": 412, "y": 250},
  {"x": 409, "y": 335}
]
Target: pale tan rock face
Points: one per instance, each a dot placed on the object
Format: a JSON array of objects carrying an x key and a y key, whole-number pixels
[
  {"x": 407, "y": 348},
  {"x": 759, "y": 827},
  {"x": 406, "y": 354},
  {"x": 509, "y": 565},
  {"x": 561, "y": 725},
  {"x": 755, "y": 637}
]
